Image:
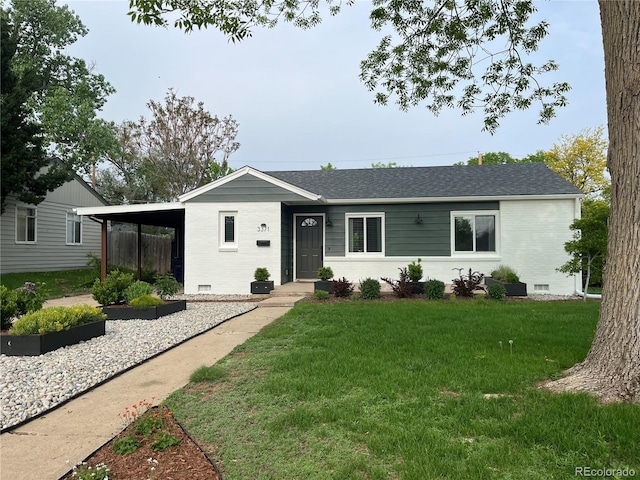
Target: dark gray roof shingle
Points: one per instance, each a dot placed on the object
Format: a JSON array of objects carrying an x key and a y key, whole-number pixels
[{"x": 434, "y": 182}]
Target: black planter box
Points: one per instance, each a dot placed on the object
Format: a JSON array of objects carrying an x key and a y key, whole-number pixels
[
  {"x": 262, "y": 287},
  {"x": 124, "y": 312},
  {"x": 513, "y": 289},
  {"x": 417, "y": 288},
  {"x": 327, "y": 286},
  {"x": 37, "y": 344}
]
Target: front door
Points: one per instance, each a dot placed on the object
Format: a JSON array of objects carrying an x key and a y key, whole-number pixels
[{"x": 308, "y": 246}]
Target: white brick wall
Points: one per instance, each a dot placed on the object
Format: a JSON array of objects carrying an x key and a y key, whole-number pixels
[
  {"x": 230, "y": 272},
  {"x": 533, "y": 238}
]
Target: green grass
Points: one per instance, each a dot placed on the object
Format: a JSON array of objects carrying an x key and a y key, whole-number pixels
[
  {"x": 58, "y": 284},
  {"x": 371, "y": 390}
]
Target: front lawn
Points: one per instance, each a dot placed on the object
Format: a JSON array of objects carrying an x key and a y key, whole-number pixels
[{"x": 409, "y": 390}]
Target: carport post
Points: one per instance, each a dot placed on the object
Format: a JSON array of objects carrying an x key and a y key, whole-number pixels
[
  {"x": 139, "y": 251},
  {"x": 103, "y": 254}
]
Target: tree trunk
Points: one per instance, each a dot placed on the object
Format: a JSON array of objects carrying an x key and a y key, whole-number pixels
[{"x": 612, "y": 368}]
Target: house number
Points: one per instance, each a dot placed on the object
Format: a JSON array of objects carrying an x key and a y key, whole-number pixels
[{"x": 263, "y": 228}]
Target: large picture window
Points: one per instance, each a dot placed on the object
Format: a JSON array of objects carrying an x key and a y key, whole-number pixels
[
  {"x": 228, "y": 230},
  {"x": 365, "y": 233},
  {"x": 474, "y": 232},
  {"x": 26, "y": 224},
  {"x": 74, "y": 229}
]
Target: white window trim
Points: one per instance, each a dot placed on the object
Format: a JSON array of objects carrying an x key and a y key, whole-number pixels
[
  {"x": 66, "y": 229},
  {"x": 35, "y": 228},
  {"x": 474, "y": 213},
  {"x": 227, "y": 246},
  {"x": 365, "y": 215}
]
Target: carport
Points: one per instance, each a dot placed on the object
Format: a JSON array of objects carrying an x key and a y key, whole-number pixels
[{"x": 168, "y": 215}]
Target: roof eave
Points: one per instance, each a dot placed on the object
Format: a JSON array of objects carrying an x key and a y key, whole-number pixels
[
  {"x": 470, "y": 198},
  {"x": 138, "y": 208}
]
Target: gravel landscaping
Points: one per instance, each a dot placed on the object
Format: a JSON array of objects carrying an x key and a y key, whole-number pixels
[{"x": 32, "y": 385}]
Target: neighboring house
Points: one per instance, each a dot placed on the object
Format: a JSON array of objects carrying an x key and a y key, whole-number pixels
[
  {"x": 368, "y": 223},
  {"x": 50, "y": 236}
]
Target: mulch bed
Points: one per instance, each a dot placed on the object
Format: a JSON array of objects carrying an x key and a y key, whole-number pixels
[{"x": 185, "y": 461}]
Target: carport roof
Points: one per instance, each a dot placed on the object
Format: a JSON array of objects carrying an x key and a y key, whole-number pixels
[{"x": 169, "y": 215}]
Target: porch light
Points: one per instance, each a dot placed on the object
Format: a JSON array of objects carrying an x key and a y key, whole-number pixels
[
  {"x": 418, "y": 220},
  {"x": 329, "y": 223}
]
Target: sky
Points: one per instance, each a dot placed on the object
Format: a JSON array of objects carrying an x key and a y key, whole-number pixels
[{"x": 298, "y": 99}]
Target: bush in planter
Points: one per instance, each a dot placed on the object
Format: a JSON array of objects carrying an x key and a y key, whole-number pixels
[
  {"x": 342, "y": 287},
  {"x": 166, "y": 285},
  {"x": 415, "y": 271},
  {"x": 370, "y": 289},
  {"x": 261, "y": 274},
  {"x": 434, "y": 290},
  {"x": 505, "y": 274},
  {"x": 8, "y": 306},
  {"x": 145, "y": 301},
  {"x": 497, "y": 291},
  {"x": 137, "y": 289},
  {"x": 325, "y": 274},
  {"x": 28, "y": 298},
  {"x": 111, "y": 291},
  {"x": 55, "y": 319}
]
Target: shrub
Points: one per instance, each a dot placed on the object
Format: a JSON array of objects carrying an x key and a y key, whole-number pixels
[
  {"x": 325, "y": 273},
  {"x": 321, "y": 294},
  {"x": 465, "y": 285},
  {"x": 28, "y": 298},
  {"x": 415, "y": 271},
  {"x": 434, "y": 290},
  {"x": 505, "y": 274},
  {"x": 497, "y": 291},
  {"x": 111, "y": 291},
  {"x": 8, "y": 306},
  {"x": 137, "y": 289},
  {"x": 261, "y": 274},
  {"x": 55, "y": 319},
  {"x": 146, "y": 301},
  {"x": 342, "y": 287},
  {"x": 166, "y": 285},
  {"x": 370, "y": 289},
  {"x": 403, "y": 286}
]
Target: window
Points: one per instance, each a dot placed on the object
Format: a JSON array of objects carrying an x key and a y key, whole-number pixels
[
  {"x": 474, "y": 232},
  {"x": 365, "y": 233},
  {"x": 228, "y": 230},
  {"x": 26, "y": 220},
  {"x": 74, "y": 229}
]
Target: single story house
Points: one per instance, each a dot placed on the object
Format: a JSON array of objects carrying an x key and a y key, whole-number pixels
[
  {"x": 51, "y": 235},
  {"x": 368, "y": 223}
]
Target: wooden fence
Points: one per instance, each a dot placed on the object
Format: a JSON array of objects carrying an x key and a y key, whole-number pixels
[{"x": 156, "y": 251}]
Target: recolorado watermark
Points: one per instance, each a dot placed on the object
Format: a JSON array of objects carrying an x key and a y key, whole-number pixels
[{"x": 604, "y": 472}]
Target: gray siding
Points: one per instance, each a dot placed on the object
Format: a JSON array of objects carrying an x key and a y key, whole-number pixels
[
  {"x": 51, "y": 251},
  {"x": 248, "y": 189},
  {"x": 403, "y": 237}
]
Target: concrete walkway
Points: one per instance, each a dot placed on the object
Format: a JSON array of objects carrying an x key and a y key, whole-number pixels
[{"x": 48, "y": 446}]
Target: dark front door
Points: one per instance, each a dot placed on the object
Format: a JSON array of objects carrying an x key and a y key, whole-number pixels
[{"x": 308, "y": 246}]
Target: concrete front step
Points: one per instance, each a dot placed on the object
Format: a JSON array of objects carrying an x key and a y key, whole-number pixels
[{"x": 277, "y": 301}]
